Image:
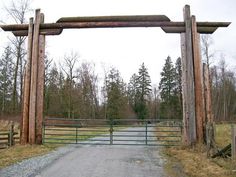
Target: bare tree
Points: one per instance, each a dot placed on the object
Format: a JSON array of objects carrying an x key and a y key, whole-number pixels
[
  {"x": 17, "y": 11},
  {"x": 88, "y": 81},
  {"x": 68, "y": 67},
  {"x": 223, "y": 92},
  {"x": 206, "y": 43}
]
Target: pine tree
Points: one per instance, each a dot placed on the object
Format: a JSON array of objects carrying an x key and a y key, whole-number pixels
[
  {"x": 171, "y": 89},
  {"x": 6, "y": 77},
  {"x": 52, "y": 103},
  {"x": 178, "y": 91},
  {"x": 167, "y": 87},
  {"x": 116, "y": 95},
  {"x": 132, "y": 91},
  {"x": 143, "y": 92}
]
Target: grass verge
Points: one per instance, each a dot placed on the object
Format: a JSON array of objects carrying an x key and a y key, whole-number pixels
[
  {"x": 18, "y": 153},
  {"x": 193, "y": 162}
]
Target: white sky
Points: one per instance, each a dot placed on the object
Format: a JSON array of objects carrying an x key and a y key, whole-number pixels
[{"x": 127, "y": 48}]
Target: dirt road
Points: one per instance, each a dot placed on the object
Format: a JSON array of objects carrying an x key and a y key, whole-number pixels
[
  {"x": 108, "y": 161},
  {"x": 93, "y": 161}
]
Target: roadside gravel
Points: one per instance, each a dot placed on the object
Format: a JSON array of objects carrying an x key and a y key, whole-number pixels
[{"x": 30, "y": 167}]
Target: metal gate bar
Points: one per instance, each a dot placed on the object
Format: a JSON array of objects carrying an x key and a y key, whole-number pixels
[{"x": 159, "y": 132}]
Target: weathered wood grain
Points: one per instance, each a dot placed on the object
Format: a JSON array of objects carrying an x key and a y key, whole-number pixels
[
  {"x": 33, "y": 84},
  {"x": 40, "y": 86},
  {"x": 188, "y": 76},
  {"x": 26, "y": 93},
  {"x": 198, "y": 80}
]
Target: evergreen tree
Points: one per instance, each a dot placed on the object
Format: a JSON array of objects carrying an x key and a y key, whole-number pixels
[
  {"x": 116, "y": 95},
  {"x": 171, "y": 89},
  {"x": 178, "y": 91},
  {"x": 143, "y": 92},
  {"x": 167, "y": 87},
  {"x": 132, "y": 91},
  {"x": 6, "y": 77},
  {"x": 52, "y": 99}
]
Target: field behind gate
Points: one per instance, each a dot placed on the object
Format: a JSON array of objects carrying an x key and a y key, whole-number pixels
[{"x": 112, "y": 132}]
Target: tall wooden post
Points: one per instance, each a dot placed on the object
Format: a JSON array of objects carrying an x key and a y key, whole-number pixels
[
  {"x": 26, "y": 94},
  {"x": 40, "y": 86},
  {"x": 188, "y": 81},
  {"x": 33, "y": 84},
  {"x": 209, "y": 126},
  {"x": 198, "y": 81},
  {"x": 233, "y": 144},
  {"x": 207, "y": 94}
]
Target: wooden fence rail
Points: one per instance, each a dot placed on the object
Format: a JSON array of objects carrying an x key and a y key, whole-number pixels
[{"x": 8, "y": 138}]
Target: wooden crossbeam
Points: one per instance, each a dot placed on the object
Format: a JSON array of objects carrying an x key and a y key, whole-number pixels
[
  {"x": 130, "y": 18},
  {"x": 167, "y": 26},
  {"x": 42, "y": 32}
]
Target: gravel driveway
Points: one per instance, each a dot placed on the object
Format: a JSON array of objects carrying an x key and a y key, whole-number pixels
[{"x": 92, "y": 161}]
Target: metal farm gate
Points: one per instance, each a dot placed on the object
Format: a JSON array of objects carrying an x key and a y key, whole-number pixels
[{"x": 158, "y": 132}]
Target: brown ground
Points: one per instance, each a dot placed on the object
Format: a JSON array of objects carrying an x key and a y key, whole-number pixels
[
  {"x": 14, "y": 118},
  {"x": 194, "y": 162}
]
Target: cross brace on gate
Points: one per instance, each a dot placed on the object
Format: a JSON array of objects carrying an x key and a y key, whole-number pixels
[{"x": 194, "y": 110}]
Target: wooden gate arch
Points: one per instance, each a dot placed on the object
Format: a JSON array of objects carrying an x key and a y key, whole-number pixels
[{"x": 195, "y": 115}]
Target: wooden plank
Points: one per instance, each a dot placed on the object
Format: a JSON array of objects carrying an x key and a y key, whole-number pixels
[
  {"x": 42, "y": 32},
  {"x": 189, "y": 88},
  {"x": 115, "y": 18},
  {"x": 110, "y": 24},
  {"x": 233, "y": 144},
  {"x": 213, "y": 24},
  {"x": 208, "y": 118},
  {"x": 179, "y": 29},
  {"x": 204, "y": 27},
  {"x": 206, "y": 30},
  {"x": 184, "y": 90},
  {"x": 204, "y": 121},
  {"x": 74, "y": 25},
  {"x": 198, "y": 81},
  {"x": 11, "y": 135},
  {"x": 26, "y": 95},
  {"x": 207, "y": 94},
  {"x": 33, "y": 84},
  {"x": 40, "y": 86}
]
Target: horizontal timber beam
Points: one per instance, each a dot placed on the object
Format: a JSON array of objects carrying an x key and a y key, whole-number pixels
[
  {"x": 115, "y": 18},
  {"x": 200, "y": 29},
  {"x": 118, "y": 21},
  {"x": 68, "y": 25},
  {"x": 42, "y": 32}
]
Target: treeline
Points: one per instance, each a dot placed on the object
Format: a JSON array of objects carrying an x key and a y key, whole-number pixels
[
  {"x": 73, "y": 90},
  {"x": 223, "y": 81}
]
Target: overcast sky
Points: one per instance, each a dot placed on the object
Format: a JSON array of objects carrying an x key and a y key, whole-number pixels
[{"x": 127, "y": 48}]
